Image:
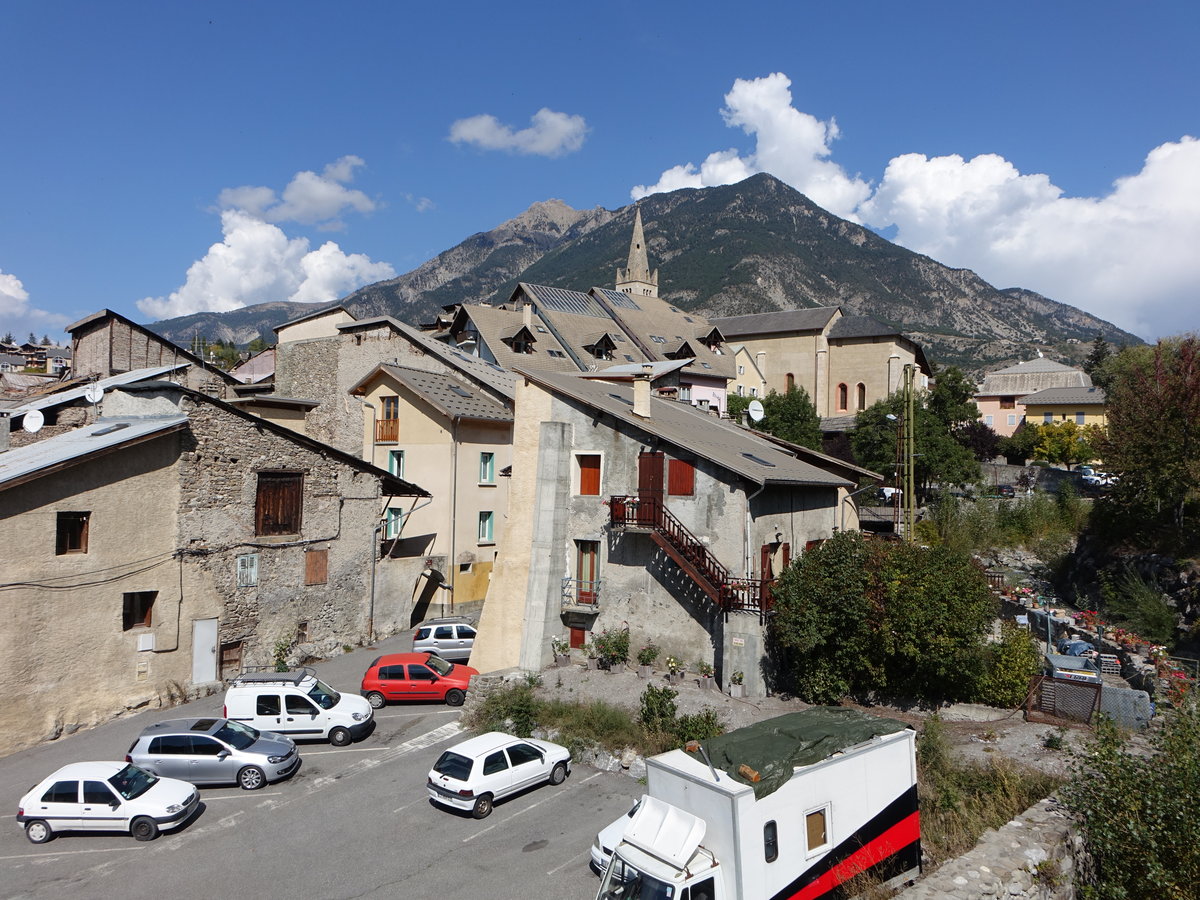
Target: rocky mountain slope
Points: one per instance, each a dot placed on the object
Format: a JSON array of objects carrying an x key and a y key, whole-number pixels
[{"x": 755, "y": 246}]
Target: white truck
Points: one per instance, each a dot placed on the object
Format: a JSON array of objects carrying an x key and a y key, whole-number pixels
[{"x": 794, "y": 807}]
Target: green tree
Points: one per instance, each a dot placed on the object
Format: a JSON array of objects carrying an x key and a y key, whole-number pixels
[
  {"x": 1137, "y": 811},
  {"x": 1021, "y": 445},
  {"x": 46, "y": 340},
  {"x": 792, "y": 417},
  {"x": 940, "y": 456},
  {"x": 8, "y": 337},
  {"x": 1067, "y": 444},
  {"x": 1153, "y": 440},
  {"x": 1095, "y": 364},
  {"x": 871, "y": 618}
]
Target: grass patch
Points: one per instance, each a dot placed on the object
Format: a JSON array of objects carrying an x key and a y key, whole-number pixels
[{"x": 962, "y": 800}]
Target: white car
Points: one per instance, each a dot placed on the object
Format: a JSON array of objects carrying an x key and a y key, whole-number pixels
[
  {"x": 474, "y": 774},
  {"x": 105, "y": 796},
  {"x": 608, "y": 838}
]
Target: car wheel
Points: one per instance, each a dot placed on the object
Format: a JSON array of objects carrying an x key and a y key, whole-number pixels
[
  {"x": 144, "y": 828},
  {"x": 483, "y": 806},
  {"x": 38, "y": 831},
  {"x": 251, "y": 778},
  {"x": 376, "y": 700},
  {"x": 455, "y": 697},
  {"x": 559, "y": 773},
  {"x": 339, "y": 736}
]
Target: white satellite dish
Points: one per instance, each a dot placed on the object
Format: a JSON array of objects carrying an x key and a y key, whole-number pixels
[
  {"x": 756, "y": 410},
  {"x": 93, "y": 393},
  {"x": 33, "y": 421}
]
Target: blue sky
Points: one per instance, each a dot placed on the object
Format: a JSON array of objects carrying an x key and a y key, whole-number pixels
[{"x": 163, "y": 158}]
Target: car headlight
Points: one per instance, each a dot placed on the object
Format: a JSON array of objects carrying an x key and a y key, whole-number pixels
[
  {"x": 358, "y": 717},
  {"x": 276, "y": 759},
  {"x": 174, "y": 808}
]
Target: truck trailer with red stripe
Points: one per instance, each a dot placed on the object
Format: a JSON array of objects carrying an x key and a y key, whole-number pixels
[{"x": 793, "y": 808}]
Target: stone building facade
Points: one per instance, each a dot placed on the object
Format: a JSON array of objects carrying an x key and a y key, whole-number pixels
[{"x": 177, "y": 582}]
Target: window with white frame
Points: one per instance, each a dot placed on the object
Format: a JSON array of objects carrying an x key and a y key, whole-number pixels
[
  {"x": 486, "y": 525},
  {"x": 393, "y": 523},
  {"x": 396, "y": 463},
  {"x": 987, "y": 420},
  {"x": 816, "y": 830},
  {"x": 1079, "y": 418},
  {"x": 1047, "y": 418},
  {"x": 487, "y": 468},
  {"x": 1012, "y": 419}
]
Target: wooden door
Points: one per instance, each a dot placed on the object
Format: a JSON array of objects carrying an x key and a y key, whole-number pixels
[{"x": 650, "y": 486}]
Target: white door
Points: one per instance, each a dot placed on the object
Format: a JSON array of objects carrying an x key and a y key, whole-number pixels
[{"x": 204, "y": 650}]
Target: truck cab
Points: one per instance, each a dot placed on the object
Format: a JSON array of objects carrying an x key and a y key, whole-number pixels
[{"x": 661, "y": 858}]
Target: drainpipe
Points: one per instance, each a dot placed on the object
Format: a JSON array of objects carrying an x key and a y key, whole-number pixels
[
  {"x": 746, "y": 535},
  {"x": 451, "y": 564},
  {"x": 371, "y": 607}
]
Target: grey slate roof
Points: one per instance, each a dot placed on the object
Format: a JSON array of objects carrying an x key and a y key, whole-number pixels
[
  {"x": 449, "y": 395},
  {"x": 860, "y": 327},
  {"x": 500, "y": 380},
  {"x": 1068, "y": 396},
  {"x": 628, "y": 370},
  {"x": 1031, "y": 376},
  {"x": 47, "y": 401},
  {"x": 59, "y": 452},
  {"x": 814, "y": 319},
  {"x": 493, "y": 323},
  {"x": 693, "y": 432}
]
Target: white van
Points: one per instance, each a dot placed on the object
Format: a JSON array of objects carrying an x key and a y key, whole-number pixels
[{"x": 299, "y": 705}]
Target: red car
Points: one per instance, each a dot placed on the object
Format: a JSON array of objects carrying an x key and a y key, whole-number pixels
[{"x": 406, "y": 677}]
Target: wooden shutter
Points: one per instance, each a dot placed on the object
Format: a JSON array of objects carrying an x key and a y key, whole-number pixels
[
  {"x": 589, "y": 475},
  {"x": 316, "y": 566},
  {"x": 681, "y": 478},
  {"x": 279, "y": 503}
]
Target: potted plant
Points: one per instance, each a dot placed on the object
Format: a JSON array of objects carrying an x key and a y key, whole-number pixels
[
  {"x": 593, "y": 655},
  {"x": 737, "y": 687},
  {"x": 706, "y": 674},
  {"x": 674, "y": 670},
  {"x": 612, "y": 647},
  {"x": 646, "y": 658},
  {"x": 562, "y": 651}
]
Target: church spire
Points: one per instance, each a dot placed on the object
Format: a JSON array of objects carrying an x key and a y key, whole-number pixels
[{"x": 637, "y": 279}]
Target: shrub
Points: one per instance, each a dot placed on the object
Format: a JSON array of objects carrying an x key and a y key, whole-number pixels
[
  {"x": 704, "y": 669},
  {"x": 657, "y": 708},
  {"x": 698, "y": 726},
  {"x": 1007, "y": 668},
  {"x": 1137, "y": 812},
  {"x": 612, "y": 647},
  {"x": 648, "y": 654}
]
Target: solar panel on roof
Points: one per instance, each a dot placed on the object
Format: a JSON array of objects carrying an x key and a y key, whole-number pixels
[
  {"x": 624, "y": 400},
  {"x": 457, "y": 390},
  {"x": 567, "y": 301},
  {"x": 619, "y": 298},
  {"x": 761, "y": 462}
]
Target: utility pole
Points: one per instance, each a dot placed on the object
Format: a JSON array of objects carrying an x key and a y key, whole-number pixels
[{"x": 908, "y": 495}]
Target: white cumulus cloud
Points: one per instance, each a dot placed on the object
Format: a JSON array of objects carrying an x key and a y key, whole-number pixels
[
  {"x": 792, "y": 145},
  {"x": 20, "y": 317},
  {"x": 309, "y": 198},
  {"x": 1127, "y": 256},
  {"x": 550, "y": 134},
  {"x": 255, "y": 263}
]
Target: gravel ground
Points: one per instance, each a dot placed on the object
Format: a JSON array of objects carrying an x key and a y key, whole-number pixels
[{"x": 977, "y": 732}]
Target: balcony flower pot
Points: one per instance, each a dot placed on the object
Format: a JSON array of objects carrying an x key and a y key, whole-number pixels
[
  {"x": 737, "y": 690},
  {"x": 706, "y": 682},
  {"x": 593, "y": 663},
  {"x": 645, "y": 671},
  {"x": 562, "y": 660}
]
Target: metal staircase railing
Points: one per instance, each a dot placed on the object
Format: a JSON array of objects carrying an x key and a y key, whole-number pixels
[{"x": 689, "y": 553}]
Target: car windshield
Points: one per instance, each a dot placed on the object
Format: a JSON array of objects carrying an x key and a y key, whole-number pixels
[
  {"x": 623, "y": 882},
  {"x": 325, "y": 696},
  {"x": 439, "y": 665},
  {"x": 236, "y": 735},
  {"x": 132, "y": 782},
  {"x": 453, "y": 765}
]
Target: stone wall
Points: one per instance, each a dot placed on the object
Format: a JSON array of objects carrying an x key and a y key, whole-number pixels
[{"x": 1036, "y": 856}]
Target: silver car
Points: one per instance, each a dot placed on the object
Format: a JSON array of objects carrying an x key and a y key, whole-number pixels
[
  {"x": 214, "y": 751},
  {"x": 451, "y": 638}
]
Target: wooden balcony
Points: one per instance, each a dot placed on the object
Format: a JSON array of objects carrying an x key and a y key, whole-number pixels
[{"x": 387, "y": 431}]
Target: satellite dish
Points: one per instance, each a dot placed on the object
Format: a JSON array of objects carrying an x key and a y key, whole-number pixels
[
  {"x": 33, "y": 421},
  {"x": 756, "y": 410},
  {"x": 93, "y": 393}
]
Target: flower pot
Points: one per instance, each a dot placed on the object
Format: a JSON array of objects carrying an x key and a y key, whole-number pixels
[
  {"x": 706, "y": 682},
  {"x": 593, "y": 663},
  {"x": 675, "y": 677},
  {"x": 645, "y": 671},
  {"x": 737, "y": 690},
  {"x": 562, "y": 660}
]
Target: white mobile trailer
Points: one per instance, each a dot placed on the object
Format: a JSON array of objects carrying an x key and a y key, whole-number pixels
[{"x": 696, "y": 838}]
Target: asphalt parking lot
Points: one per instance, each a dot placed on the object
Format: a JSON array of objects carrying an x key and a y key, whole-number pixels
[{"x": 352, "y": 822}]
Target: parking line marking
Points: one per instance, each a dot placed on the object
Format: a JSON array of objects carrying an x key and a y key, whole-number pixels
[
  {"x": 342, "y": 750},
  {"x": 523, "y": 811},
  {"x": 569, "y": 862},
  {"x": 49, "y": 856},
  {"x": 249, "y": 795}
]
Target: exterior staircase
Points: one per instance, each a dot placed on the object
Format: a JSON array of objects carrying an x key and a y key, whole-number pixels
[{"x": 730, "y": 594}]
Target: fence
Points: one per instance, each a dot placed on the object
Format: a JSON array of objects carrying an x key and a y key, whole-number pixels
[{"x": 1055, "y": 700}]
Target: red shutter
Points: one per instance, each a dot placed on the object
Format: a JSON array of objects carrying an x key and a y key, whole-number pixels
[
  {"x": 589, "y": 476},
  {"x": 681, "y": 478}
]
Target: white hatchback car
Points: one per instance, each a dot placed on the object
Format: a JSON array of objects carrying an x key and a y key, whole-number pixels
[
  {"x": 105, "y": 796},
  {"x": 474, "y": 774}
]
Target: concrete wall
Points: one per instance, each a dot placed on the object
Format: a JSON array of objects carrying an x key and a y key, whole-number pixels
[
  {"x": 319, "y": 326},
  {"x": 876, "y": 363}
]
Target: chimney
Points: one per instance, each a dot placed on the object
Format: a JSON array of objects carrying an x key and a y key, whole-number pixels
[
  {"x": 527, "y": 315},
  {"x": 641, "y": 392},
  {"x": 5, "y": 430}
]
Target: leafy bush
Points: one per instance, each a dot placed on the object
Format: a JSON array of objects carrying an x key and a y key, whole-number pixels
[
  {"x": 658, "y": 708},
  {"x": 1137, "y": 812},
  {"x": 1129, "y": 601},
  {"x": 698, "y": 726},
  {"x": 513, "y": 709},
  {"x": 1008, "y": 666},
  {"x": 612, "y": 647},
  {"x": 648, "y": 654}
]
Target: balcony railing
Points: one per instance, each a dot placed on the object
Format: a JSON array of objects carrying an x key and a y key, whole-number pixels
[
  {"x": 387, "y": 430},
  {"x": 576, "y": 592}
]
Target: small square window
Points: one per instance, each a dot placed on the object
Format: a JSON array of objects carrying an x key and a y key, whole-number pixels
[
  {"x": 816, "y": 829},
  {"x": 247, "y": 570},
  {"x": 72, "y": 532},
  {"x": 1012, "y": 419},
  {"x": 987, "y": 420},
  {"x": 136, "y": 609}
]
